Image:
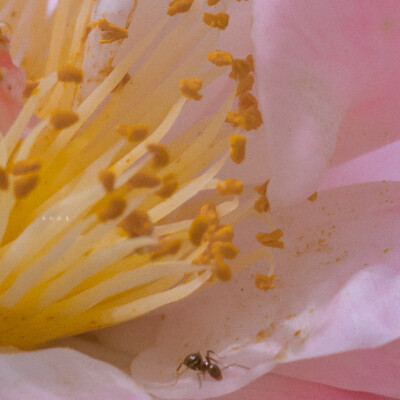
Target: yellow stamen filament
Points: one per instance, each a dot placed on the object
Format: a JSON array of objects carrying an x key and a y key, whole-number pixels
[
  {"x": 61, "y": 119},
  {"x": 179, "y": 6},
  {"x": 271, "y": 239},
  {"x": 25, "y": 167},
  {"x": 220, "y": 58},
  {"x": 198, "y": 229},
  {"x": 160, "y": 154},
  {"x": 264, "y": 282},
  {"x": 107, "y": 178},
  {"x": 24, "y": 186},
  {"x": 238, "y": 148},
  {"x": 219, "y": 21},
  {"x": 190, "y": 88},
  {"x": 112, "y": 243},
  {"x": 230, "y": 186},
  {"x": 69, "y": 73}
]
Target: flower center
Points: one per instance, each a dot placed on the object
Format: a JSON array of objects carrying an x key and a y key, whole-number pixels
[{"x": 108, "y": 210}]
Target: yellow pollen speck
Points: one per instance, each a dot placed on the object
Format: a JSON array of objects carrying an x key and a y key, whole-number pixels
[
  {"x": 224, "y": 250},
  {"x": 25, "y": 166},
  {"x": 209, "y": 211},
  {"x": 313, "y": 197},
  {"x": 241, "y": 68},
  {"x": 179, "y": 6},
  {"x": 134, "y": 133},
  {"x": 219, "y": 21},
  {"x": 144, "y": 180},
  {"x": 3, "y": 179},
  {"x": 114, "y": 209},
  {"x": 224, "y": 234},
  {"x": 220, "y": 58},
  {"x": 198, "y": 229},
  {"x": 212, "y": 2},
  {"x": 230, "y": 186},
  {"x": 137, "y": 223},
  {"x": 169, "y": 186},
  {"x": 190, "y": 87},
  {"x": 69, "y": 73},
  {"x": 262, "y": 189},
  {"x": 264, "y": 282},
  {"x": 61, "y": 119},
  {"x": 271, "y": 239},
  {"x": 297, "y": 333},
  {"x": 260, "y": 336},
  {"x": 245, "y": 85},
  {"x": 223, "y": 272},
  {"x": 247, "y": 100},
  {"x": 30, "y": 86},
  {"x": 110, "y": 32},
  {"x": 262, "y": 204},
  {"x": 107, "y": 178},
  {"x": 167, "y": 249},
  {"x": 160, "y": 154},
  {"x": 24, "y": 186},
  {"x": 238, "y": 148},
  {"x": 249, "y": 118}
]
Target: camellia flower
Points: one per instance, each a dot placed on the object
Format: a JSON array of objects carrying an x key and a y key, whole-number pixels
[{"x": 127, "y": 183}]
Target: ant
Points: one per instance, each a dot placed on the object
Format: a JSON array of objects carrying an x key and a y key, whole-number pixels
[{"x": 196, "y": 362}]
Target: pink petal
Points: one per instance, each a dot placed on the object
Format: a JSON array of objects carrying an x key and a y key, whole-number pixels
[
  {"x": 375, "y": 370},
  {"x": 321, "y": 65},
  {"x": 336, "y": 290},
  {"x": 378, "y": 165},
  {"x": 275, "y": 387},
  {"x": 11, "y": 87},
  {"x": 61, "y": 374}
]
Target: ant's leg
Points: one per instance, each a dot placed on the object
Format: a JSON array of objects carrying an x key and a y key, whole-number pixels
[
  {"x": 179, "y": 367},
  {"x": 208, "y": 357},
  {"x": 178, "y": 375},
  {"x": 198, "y": 377},
  {"x": 235, "y": 365}
]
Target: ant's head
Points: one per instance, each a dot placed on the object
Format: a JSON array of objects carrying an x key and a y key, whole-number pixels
[{"x": 193, "y": 361}]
